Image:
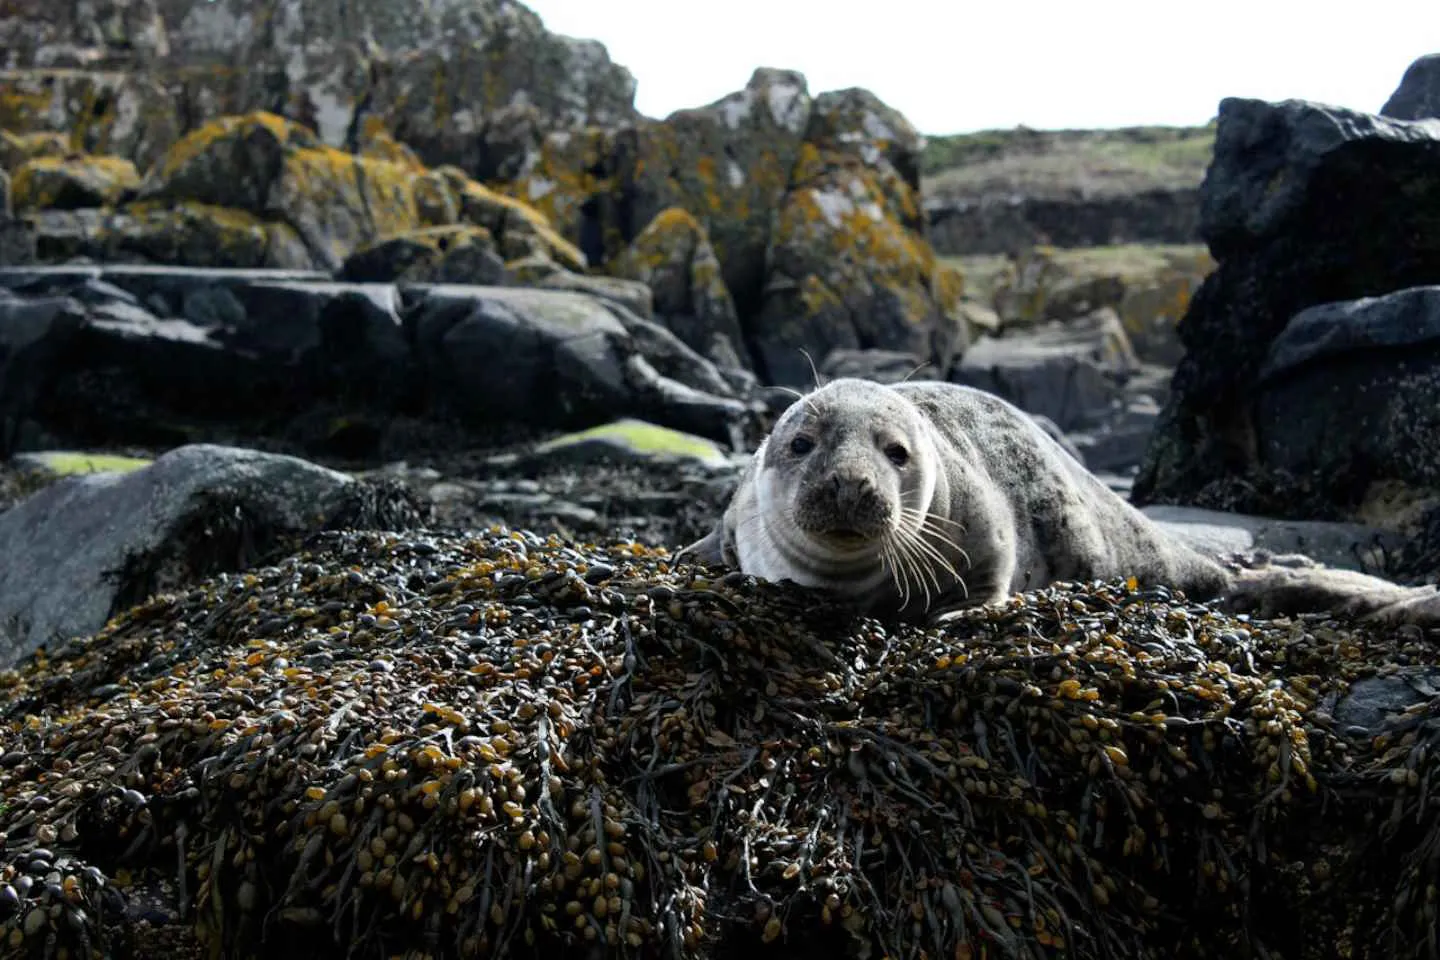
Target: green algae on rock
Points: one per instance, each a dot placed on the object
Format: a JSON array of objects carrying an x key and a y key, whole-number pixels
[
  {"x": 471, "y": 746},
  {"x": 629, "y": 438}
]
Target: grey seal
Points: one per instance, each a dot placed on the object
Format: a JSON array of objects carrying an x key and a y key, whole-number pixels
[{"x": 921, "y": 498}]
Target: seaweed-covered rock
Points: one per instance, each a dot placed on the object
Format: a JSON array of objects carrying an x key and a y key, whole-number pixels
[
  {"x": 1303, "y": 205},
  {"x": 91, "y": 545},
  {"x": 72, "y": 182},
  {"x": 674, "y": 258},
  {"x": 702, "y": 767},
  {"x": 161, "y": 233},
  {"x": 1418, "y": 96},
  {"x": 452, "y": 254}
]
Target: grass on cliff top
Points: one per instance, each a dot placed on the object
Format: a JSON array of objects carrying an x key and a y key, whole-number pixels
[{"x": 1061, "y": 162}]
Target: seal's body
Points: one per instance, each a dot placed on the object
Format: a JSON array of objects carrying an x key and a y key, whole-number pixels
[{"x": 923, "y": 497}]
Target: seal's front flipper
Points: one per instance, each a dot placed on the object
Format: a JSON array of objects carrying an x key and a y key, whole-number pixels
[
  {"x": 1274, "y": 591},
  {"x": 707, "y": 551}
]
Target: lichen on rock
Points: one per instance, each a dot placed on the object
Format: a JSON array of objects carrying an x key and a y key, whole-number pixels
[
  {"x": 846, "y": 268},
  {"x": 71, "y": 182},
  {"x": 674, "y": 258}
]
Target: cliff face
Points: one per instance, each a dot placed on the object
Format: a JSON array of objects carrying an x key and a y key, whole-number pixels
[{"x": 1002, "y": 191}]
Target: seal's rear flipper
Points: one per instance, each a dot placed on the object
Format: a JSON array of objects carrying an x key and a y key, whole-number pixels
[
  {"x": 1273, "y": 591},
  {"x": 707, "y": 551}
]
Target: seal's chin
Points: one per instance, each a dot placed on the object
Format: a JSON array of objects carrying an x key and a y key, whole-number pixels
[{"x": 847, "y": 540}]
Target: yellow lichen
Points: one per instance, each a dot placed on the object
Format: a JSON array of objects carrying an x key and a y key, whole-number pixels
[
  {"x": 204, "y": 139},
  {"x": 44, "y": 182}
]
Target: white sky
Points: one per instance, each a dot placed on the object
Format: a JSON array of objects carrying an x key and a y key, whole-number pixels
[{"x": 959, "y": 65}]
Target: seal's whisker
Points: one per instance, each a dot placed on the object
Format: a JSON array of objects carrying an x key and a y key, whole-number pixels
[
  {"x": 814, "y": 373},
  {"x": 918, "y": 554}
]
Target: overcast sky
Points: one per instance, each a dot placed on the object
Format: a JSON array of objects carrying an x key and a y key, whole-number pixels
[{"x": 959, "y": 65}]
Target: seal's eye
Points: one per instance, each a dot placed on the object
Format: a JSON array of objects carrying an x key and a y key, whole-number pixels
[
  {"x": 898, "y": 454},
  {"x": 801, "y": 445}
]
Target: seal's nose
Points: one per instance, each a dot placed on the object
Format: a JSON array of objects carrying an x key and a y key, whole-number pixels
[{"x": 852, "y": 493}]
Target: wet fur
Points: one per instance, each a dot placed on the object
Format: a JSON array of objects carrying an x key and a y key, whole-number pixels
[{"x": 1030, "y": 515}]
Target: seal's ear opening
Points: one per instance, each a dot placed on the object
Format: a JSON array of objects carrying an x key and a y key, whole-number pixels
[{"x": 707, "y": 551}]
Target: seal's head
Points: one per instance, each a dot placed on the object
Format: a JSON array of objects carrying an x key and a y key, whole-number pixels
[{"x": 842, "y": 489}]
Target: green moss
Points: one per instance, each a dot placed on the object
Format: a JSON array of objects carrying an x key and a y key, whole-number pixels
[
  {"x": 65, "y": 463},
  {"x": 640, "y": 437}
]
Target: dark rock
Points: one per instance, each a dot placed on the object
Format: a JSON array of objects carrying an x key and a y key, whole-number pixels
[
  {"x": 1349, "y": 546},
  {"x": 568, "y": 362},
  {"x": 1374, "y": 703},
  {"x": 459, "y": 253},
  {"x": 882, "y": 366},
  {"x": 1351, "y": 391},
  {"x": 84, "y": 548},
  {"x": 1303, "y": 205},
  {"x": 1418, "y": 96},
  {"x": 33, "y": 335},
  {"x": 1069, "y": 373}
]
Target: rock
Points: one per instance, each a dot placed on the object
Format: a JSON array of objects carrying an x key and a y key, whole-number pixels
[
  {"x": 16, "y": 148},
  {"x": 66, "y": 463},
  {"x": 1373, "y": 704},
  {"x": 1418, "y": 96},
  {"x": 630, "y": 441},
  {"x": 542, "y": 273},
  {"x": 519, "y": 229},
  {"x": 568, "y": 362},
  {"x": 85, "y": 548},
  {"x": 277, "y": 170},
  {"x": 433, "y": 75},
  {"x": 33, "y": 333},
  {"x": 1350, "y": 546},
  {"x": 1351, "y": 391},
  {"x": 671, "y": 356},
  {"x": 1068, "y": 372},
  {"x": 674, "y": 258},
  {"x": 7, "y": 206},
  {"x": 453, "y": 254},
  {"x": 122, "y": 113},
  {"x": 848, "y": 264},
  {"x": 729, "y": 164},
  {"x": 72, "y": 182},
  {"x": 17, "y": 240},
  {"x": 164, "y": 234},
  {"x": 882, "y": 366},
  {"x": 1292, "y": 187}
]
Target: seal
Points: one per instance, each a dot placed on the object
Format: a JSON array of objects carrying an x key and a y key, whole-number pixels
[{"x": 921, "y": 498}]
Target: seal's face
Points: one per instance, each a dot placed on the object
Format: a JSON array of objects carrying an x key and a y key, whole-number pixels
[{"x": 843, "y": 468}]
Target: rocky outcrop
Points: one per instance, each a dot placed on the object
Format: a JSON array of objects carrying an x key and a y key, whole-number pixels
[
  {"x": 844, "y": 262},
  {"x": 156, "y": 357},
  {"x": 132, "y": 76},
  {"x": 1305, "y": 206},
  {"x": 1418, "y": 96},
  {"x": 849, "y": 266}
]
